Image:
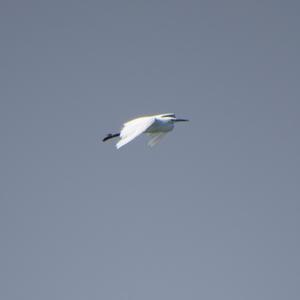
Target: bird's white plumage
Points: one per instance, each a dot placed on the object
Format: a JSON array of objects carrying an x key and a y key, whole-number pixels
[
  {"x": 133, "y": 128},
  {"x": 155, "y": 138},
  {"x": 156, "y": 126}
]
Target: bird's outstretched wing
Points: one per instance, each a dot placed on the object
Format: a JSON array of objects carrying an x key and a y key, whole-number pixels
[
  {"x": 134, "y": 128},
  {"x": 155, "y": 138}
]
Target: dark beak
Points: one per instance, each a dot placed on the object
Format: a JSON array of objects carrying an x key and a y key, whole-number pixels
[{"x": 181, "y": 120}]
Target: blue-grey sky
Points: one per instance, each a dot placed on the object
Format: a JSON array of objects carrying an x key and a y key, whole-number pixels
[{"x": 212, "y": 212}]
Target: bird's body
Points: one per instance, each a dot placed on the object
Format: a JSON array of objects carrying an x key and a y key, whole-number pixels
[
  {"x": 161, "y": 125},
  {"x": 156, "y": 126}
]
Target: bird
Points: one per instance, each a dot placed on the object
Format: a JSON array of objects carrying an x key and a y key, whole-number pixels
[{"x": 156, "y": 126}]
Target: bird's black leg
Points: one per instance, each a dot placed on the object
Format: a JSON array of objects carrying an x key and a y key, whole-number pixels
[{"x": 110, "y": 136}]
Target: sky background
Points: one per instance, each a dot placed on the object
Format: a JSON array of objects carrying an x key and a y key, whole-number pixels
[{"x": 212, "y": 212}]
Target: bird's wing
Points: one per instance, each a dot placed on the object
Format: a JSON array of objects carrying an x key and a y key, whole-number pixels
[
  {"x": 156, "y": 138},
  {"x": 134, "y": 128}
]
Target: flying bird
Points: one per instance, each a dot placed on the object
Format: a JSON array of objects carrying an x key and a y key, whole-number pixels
[{"x": 156, "y": 126}]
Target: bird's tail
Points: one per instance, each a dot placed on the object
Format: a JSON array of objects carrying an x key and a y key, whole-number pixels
[{"x": 110, "y": 136}]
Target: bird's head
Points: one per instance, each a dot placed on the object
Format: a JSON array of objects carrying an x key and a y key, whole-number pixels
[{"x": 173, "y": 118}]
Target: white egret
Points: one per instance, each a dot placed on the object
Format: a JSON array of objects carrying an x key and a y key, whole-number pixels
[{"x": 156, "y": 126}]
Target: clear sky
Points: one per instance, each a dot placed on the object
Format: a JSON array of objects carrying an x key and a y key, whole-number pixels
[{"x": 212, "y": 212}]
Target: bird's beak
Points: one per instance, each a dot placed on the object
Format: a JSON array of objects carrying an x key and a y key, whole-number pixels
[{"x": 181, "y": 120}]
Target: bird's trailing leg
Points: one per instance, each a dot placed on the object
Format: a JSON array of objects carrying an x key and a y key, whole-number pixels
[{"x": 110, "y": 136}]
